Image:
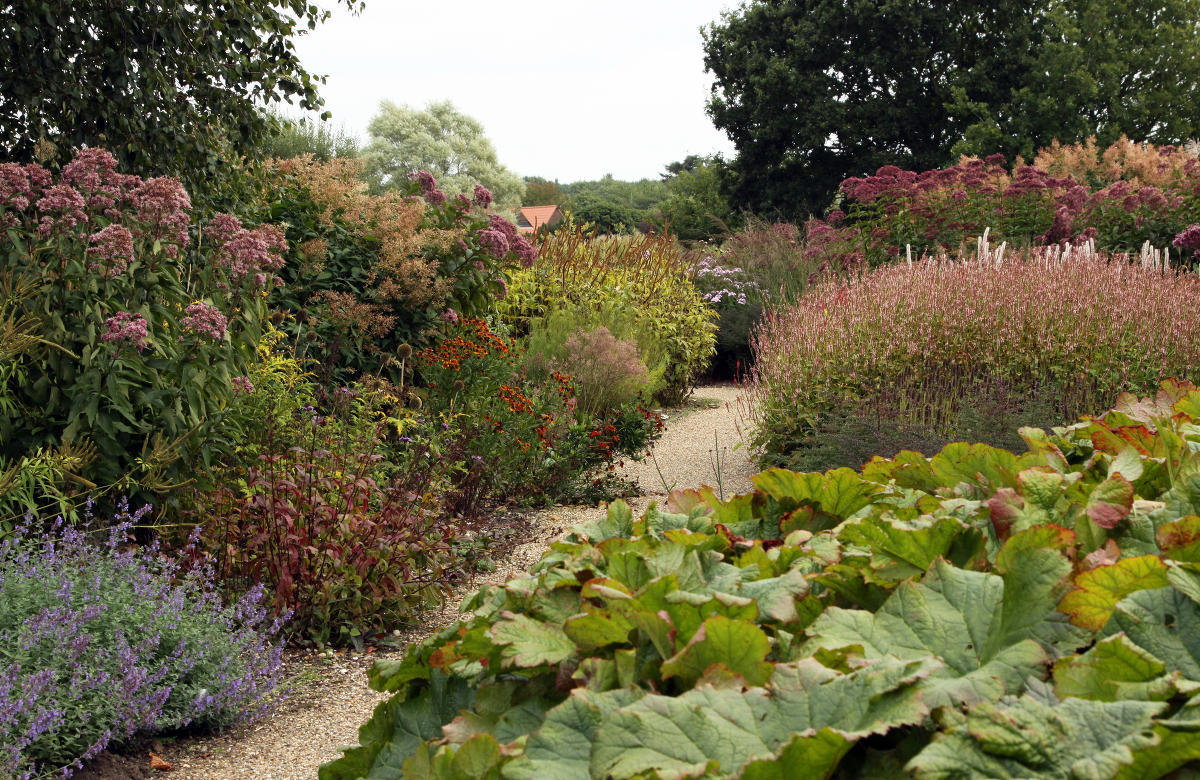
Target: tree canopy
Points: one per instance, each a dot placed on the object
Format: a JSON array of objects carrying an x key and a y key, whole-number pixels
[
  {"x": 168, "y": 86},
  {"x": 442, "y": 140},
  {"x": 813, "y": 91}
]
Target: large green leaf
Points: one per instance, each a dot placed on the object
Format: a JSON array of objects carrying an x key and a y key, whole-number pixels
[
  {"x": 957, "y": 617},
  {"x": 1163, "y": 622},
  {"x": 738, "y": 645},
  {"x": 397, "y": 728},
  {"x": 727, "y": 728},
  {"x": 562, "y": 748},
  {"x": 528, "y": 643},
  {"x": 1076, "y": 738},
  {"x": 1098, "y": 590},
  {"x": 1115, "y": 669}
]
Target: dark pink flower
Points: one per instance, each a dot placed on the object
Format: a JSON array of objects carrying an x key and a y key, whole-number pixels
[
  {"x": 206, "y": 320},
  {"x": 494, "y": 241},
  {"x": 126, "y": 328},
  {"x": 111, "y": 249},
  {"x": 483, "y": 196},
  {"x": 525, "y": 251}
]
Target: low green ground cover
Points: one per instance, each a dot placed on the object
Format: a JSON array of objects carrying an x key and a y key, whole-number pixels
[{"x": 976, "y": 614}]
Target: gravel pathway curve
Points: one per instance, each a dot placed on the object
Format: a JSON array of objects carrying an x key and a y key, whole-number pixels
[{"x": 331, "y": 700}]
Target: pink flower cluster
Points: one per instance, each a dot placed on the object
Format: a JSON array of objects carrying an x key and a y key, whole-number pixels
[
  {"x": 1189, "y": 239},
  {"x": 494, "y": 241},
  {"x": 163, "y": 204},
  {"x": 483, "y": 196},
  {"x": 245, "y": 252},
  {"x": 126, "y": 328},
  {"x": 111, "y": 250},
  {"x": 429, "y": 188},
  {"x": 242, "y": 384},
  {"x": 206, "y": 320},
  {"x": 517, "y": 243}
]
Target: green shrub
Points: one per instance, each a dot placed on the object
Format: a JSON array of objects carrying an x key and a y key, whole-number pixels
[
  {"x": 977, "y": 614},
  {"x": 369, "y": 273},
  {"x": 140, "y": 324},
  {"x": 643, "y": 282}
]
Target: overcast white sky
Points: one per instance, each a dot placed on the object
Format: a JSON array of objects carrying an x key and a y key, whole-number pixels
[{"x": 566, "y": 89}]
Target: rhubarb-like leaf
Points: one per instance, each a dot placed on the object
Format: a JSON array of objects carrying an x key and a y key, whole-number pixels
[
  {"x": 1076, "y": 738},
  {"x": 955, "y": 616},
  {"x": 398, "y": 727},
  {"x": 562, "y": 748},
  {"x": 1180, "y": 539},
  {"x": 1098, "y": 590},
  {"x": 1110, "y": 501},
  {"x": 918, "y": 543},
  {"x": 1163, "y": 622},
  {"x": 527, "y": 643},
  {"x": 1115, "y": 669},
  {"x": 706, "y": 727},
  {"x": 739, "y": 646}
]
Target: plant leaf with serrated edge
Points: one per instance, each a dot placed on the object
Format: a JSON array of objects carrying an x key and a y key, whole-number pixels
[
  {"x": 1098, "y": 590},
  {"x": 562, "y": 748},
  {"x": 815, "y": 755},
  {"x": 1110, "y": 501},
  {"x": 1180, "y": 539},
  {"x": 398, "y": 727},
  {"x": 739, "y": 646},
  {"x": 1114, "y": 669},
  {"x": 918, "y": 543},
  {"x": 1076, "y": 738},
  {"x": 1164, "y": 623},
  {"x": 954, "y": 616},
  {"x": 678, "y": 735},
  {"x": 526, "y": 643},
  {"x": 1179, "y": 743}
]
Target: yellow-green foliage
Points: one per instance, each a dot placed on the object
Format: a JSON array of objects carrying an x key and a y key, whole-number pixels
[{"x": 644, "y": 282}]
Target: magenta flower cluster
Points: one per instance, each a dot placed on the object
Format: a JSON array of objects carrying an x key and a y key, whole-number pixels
[
  {"x": 247, "y": 253},
  {"x": 429, "y": 188},
  {"x": 111, "y": 250},
  {"x": 513, "y": 241},
  {"x": 1189, "y": 240},
  {"x": 206, "y": 320},
  {"x": 242, "y": 384},
  {"x": 125, "y": 328}
]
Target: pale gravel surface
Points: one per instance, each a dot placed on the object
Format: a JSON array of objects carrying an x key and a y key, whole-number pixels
[{"x": 331, "y": 698}]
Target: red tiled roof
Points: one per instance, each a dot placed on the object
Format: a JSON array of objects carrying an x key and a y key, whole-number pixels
[{"x": 529, "y": 218}]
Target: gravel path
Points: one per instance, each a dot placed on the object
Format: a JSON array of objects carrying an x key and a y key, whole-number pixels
[{"x": 330, "y": 698}]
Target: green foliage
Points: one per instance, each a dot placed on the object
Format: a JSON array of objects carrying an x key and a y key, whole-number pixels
[
  {"x": 370, "y": 275},
  {"x": 919, "y": 614},
  {"x": 141, "y": 325},
  {"x": 183, "y": 81},
  {"x": 311, "y": 135},
  {"x": 696, "y": 209},
  {"x": 542, "y": 192},
  {"x": 814, "y": 91},
  {"x": 604, "y": 216},
  {"x": 443, "y": 141},
  {"x": 643, "y": 283}
]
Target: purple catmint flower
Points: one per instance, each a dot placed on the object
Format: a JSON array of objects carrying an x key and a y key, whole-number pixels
[
  {"x": 494, "y": 241},
  {"x": 483, "y": 196},
  {"x": 111, "y": 250},
  {"x": 126, "y": 328},
  {"x": 206, "y": 320}
]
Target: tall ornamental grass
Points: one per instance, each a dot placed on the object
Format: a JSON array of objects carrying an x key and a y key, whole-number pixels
[{"x": 925, "y": 348}]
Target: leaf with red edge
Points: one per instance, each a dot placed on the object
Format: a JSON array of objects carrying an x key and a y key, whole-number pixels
[
  {"x": 1180, "y": 540},
  {"x": 1097, "y": 591},
  {"x": 1110, "y": 501}
]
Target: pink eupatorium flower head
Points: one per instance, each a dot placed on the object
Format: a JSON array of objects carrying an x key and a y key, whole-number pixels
[
  {"x": 111, "y": 250},
  {"x": 525, "y": 251},
  {"x": 426, "y": 180},
  {"x": 92, "y": 169},
  {"x": 206, "y": 320},
  {"x": 249, "y": 252},
  {"x": 1189, "y": 239},
  {"x": 494, "y": 241},
  {"x": 221, "y": 228},
  {"x": 61, "y": 207},
  {"x": 450, "y": 315},
  {"x": 483, "y": 196},
  {"x": 163, "y": 203},
  {"x": 126, "y": 328},
  {"x": 242, "y": 384}
]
